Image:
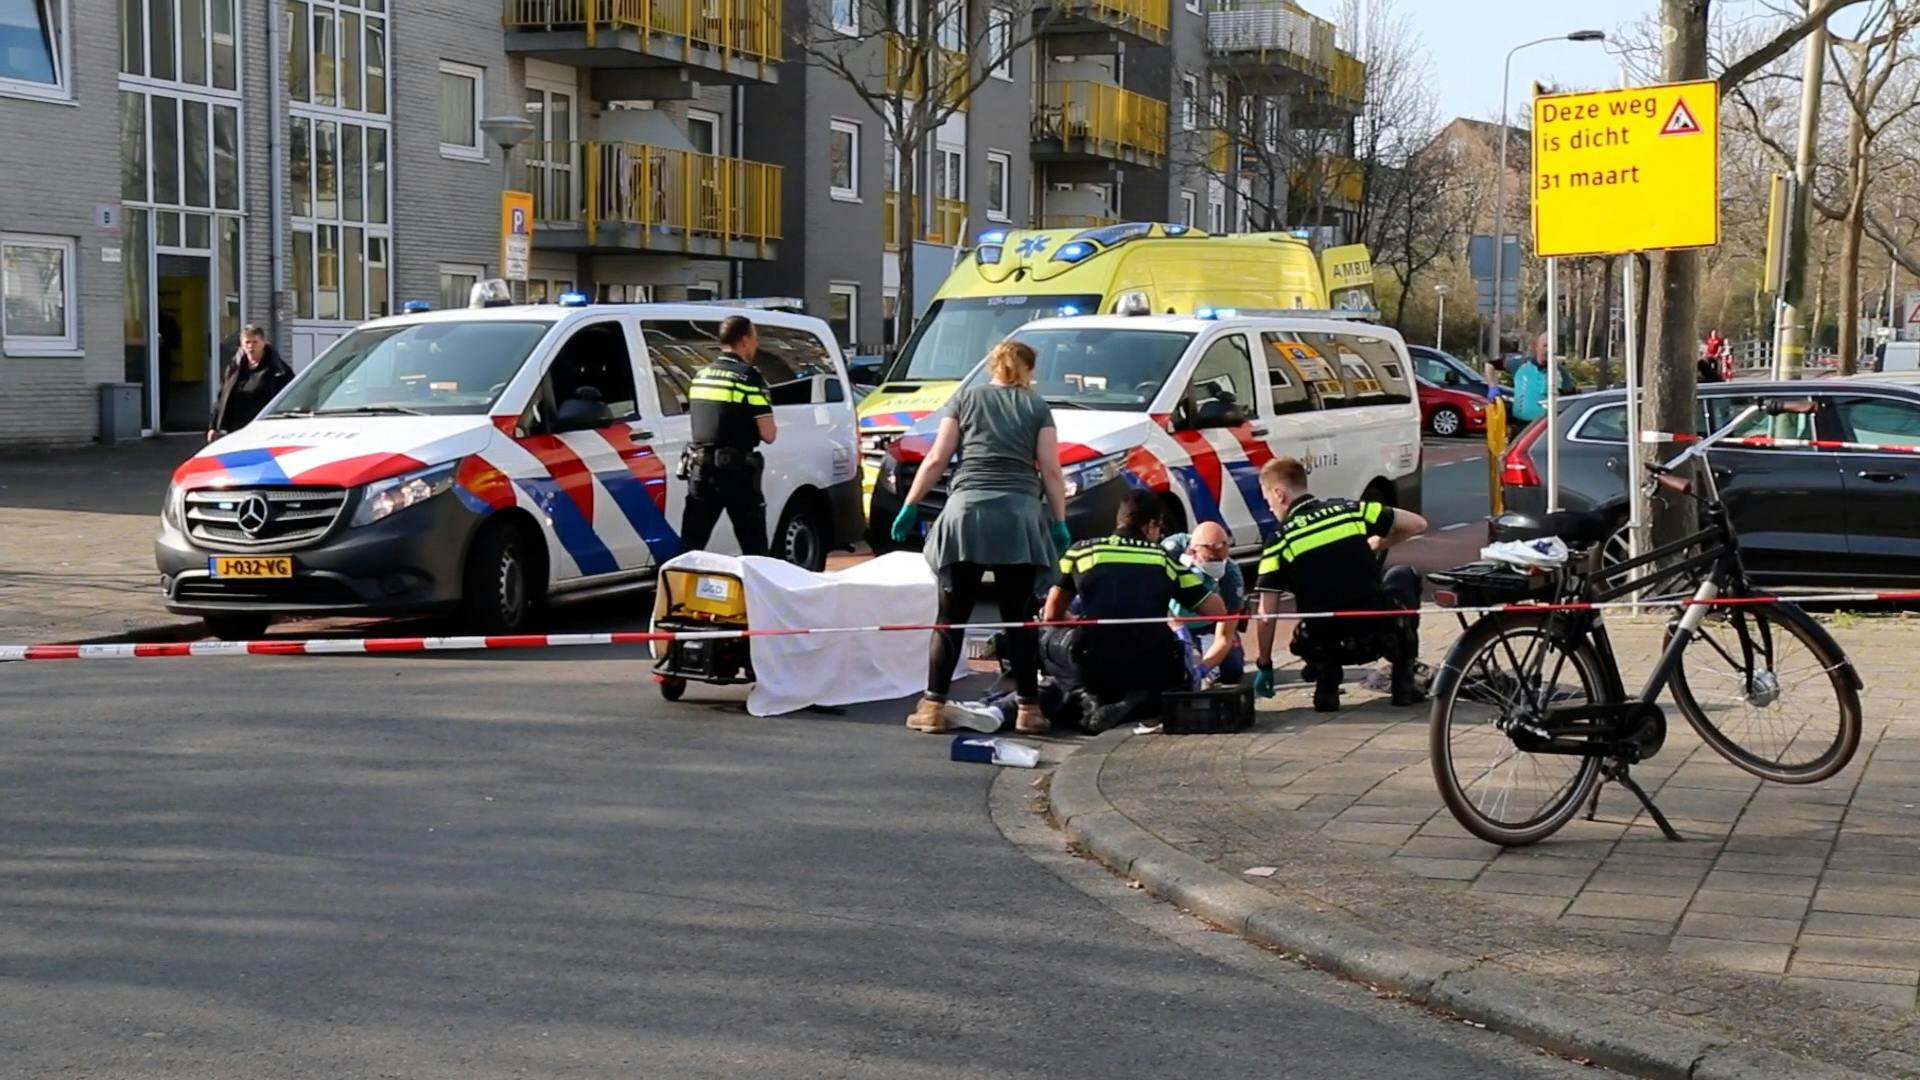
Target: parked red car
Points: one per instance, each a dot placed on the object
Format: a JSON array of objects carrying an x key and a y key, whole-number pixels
[{"x": 1447, "y": 412}]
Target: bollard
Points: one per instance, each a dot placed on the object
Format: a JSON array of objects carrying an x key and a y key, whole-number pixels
[{"x": 1496, "y": 446}]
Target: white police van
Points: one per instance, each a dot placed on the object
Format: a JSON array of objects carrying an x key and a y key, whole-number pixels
[
  {"x": 490, "y": 459},
  {"x": 1191, "y": 406}
]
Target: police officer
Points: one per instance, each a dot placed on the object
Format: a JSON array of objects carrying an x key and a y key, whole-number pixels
[
  {"x": 1327, "y": 555},
  {"x": 731, "y": 416},
  {"x": 1128, "y": 575}
]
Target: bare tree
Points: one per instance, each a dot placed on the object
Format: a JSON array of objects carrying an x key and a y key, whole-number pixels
[
  {"x": 1419, "y": 215},
  {"x": 914, "y": 64}
]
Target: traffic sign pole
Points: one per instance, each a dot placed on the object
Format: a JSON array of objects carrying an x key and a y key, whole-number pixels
[
  {"x": 1553, "y": 385},
  {"x": 1636, "y": 497}
]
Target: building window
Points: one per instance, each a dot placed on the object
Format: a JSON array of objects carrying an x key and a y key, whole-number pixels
[
  {"x": 1000, "y": 43},
  {"x": 463, "y": 92},
  {"x": 843, "y": 311},
  {"x": 999, "y": 184},
  {"x": 339, "y": 145},
  {"x": 1189, "y": 209},
  {"x": 33, "y": 48},
  {"x": 1189, "y": 103},
  {"x": 705, "y": 289},
  {"x": 1270, "y": 123},
  {"x": 843, "y": 160},
  {"x": 457, "y": 282},
  {"x": 1217, "y": 108},
  {"x": 36, "y": 295},
  {"x": 703, "y": 131},
  {"x": 846, "y": 16},
  {"x": 890, "y": 318},
  {"x": 1217, "y": 216}
]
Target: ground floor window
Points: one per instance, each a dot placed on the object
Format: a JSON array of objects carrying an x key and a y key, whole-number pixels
[
  {"x": 457, "y": 282},
  {"x": 36, "y": 295}
]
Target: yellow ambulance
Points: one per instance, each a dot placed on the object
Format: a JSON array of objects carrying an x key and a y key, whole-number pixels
[{"x": 1011, "y": 277}]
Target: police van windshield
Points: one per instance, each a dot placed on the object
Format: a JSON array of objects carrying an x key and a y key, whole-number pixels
[
  {"x": 428, "y": 368},
  {"x": 1108, "y": 369},
  {"x": 956, "y": 333}
]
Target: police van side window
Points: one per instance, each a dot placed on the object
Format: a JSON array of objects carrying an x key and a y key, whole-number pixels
[
  {"x": 1289, "y": 388},
  {"x": 593, "y": 364},
  {"x": 1308, "y": 356},
  {"x": 797, "y": 366},
  {"x": 1224, "y": 376},
  {"x": 1374, "y": 372},
  {"x": 676, "y": 352}
]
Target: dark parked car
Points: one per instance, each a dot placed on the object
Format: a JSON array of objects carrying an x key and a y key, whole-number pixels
[
  {"x": 1443, "y": 369},
  {"x": 1806, "y": 517}
]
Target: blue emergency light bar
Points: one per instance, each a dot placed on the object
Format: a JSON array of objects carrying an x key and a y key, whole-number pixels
[
  {"x": 415, "y": 307},
  {"x": 1216, "y": 313},
  {"x": 574, "y": 298}
]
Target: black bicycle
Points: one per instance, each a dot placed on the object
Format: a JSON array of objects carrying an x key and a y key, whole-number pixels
[{"x": 1530, "y": 716}]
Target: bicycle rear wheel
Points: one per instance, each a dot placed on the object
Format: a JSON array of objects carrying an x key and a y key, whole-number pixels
[
  {"x": 1507, "y": 669},
  {"x": 1770, "y": 692}
]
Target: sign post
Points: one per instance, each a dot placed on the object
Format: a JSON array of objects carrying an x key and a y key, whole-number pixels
[
  {"x": 1624, "y": 171},
  {"x": 516, "y": 235}
]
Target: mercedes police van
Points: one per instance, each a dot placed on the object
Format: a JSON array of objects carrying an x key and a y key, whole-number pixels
[
  {"x": 493, "y": 458},
  {"x": 1192, "y": 406}
]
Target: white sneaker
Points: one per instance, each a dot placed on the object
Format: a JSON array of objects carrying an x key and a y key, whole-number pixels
[
  {"x": 1545, "y": 552},
  {"x": 972, "y": 715}
]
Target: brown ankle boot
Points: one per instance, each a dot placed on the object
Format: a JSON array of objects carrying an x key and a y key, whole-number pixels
[
  {"x": 927, "y": 717},
  {"x": 1028, "y": 721}
]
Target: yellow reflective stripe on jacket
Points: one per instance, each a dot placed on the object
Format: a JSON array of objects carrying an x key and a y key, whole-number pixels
[
  {"x": 1370, "y": 511},
  {"x": 1293, "y": 537},
  {"x": 725, "y": 388}
]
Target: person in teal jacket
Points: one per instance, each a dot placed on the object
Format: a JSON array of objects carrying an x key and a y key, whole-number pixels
[{"x": 1530, "y": 385}]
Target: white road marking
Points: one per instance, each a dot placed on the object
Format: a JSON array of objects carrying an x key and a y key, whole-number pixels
[{"x": 1455, "y": 525}]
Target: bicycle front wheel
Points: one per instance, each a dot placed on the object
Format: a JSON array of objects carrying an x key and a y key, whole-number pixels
[
  {"x": 1506, "y": 670},
  {"x": 1770, "y": 692}
]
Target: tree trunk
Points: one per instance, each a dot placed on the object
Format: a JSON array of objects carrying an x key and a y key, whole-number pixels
[
  {"x": 1820, "y": 295},
  {"x": 1669, "y": 403},
  {"x": 1606, "y": 325},
  {"x": 1851, "y": 228}
]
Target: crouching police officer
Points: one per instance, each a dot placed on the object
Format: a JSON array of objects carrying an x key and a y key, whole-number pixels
[
  {"x": 1327, "y": 554},
  {"x": 730, "y": 416}
]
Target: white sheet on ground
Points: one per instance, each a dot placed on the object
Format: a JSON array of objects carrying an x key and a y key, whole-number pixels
[{"x": 792, "y": 673}]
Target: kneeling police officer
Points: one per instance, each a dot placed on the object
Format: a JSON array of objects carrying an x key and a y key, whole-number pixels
[{"x": 730, "y": 416}]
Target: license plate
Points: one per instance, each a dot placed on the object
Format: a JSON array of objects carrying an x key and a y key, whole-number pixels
[
  {"x": 250, "y": 566},
  {"x": 712, "y": 588}
]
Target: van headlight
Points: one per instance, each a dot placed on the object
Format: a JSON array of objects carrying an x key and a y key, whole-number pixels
[
  {"x": 1091, "y": 474},
  {"x": 384, "y": 498},
  {"x": 173, "y": 511}
]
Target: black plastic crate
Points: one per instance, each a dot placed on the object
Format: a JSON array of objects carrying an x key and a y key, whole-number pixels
[
  {"x": 1218, "y": 711},
  {"x": 1482, "y": 584}
]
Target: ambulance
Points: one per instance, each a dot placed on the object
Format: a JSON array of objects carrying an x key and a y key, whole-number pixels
[
  {"x": 489, "y": 460},
  {"x": 1191, "y": 406},
  {"x": 1013, "y": 276}
]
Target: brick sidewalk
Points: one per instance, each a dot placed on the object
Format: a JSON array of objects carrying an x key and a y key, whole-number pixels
[
  {"x": 1788, "y": 916},
  {"x": 76, "y": 540}
]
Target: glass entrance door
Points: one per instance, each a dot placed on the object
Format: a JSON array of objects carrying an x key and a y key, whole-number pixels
[{"x": 182, "y": 376}]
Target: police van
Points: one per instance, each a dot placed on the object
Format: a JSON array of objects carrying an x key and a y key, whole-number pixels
[
  {"x": 1192, "y": 406},
  {"x": 491, "y": 459}
]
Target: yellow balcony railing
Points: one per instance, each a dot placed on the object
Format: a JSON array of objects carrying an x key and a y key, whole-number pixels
[
  {"x": 949, "y": 218},
  {"x": 592, "y": 184},
  {"x": 1349, "y": 84},
  {"x": 947, "y": 67},
  {"x": 1149, "y": 19},
  {"x": 1103, "y": 120},
  {"x": 749, "y": 28},
  {"x": 1219, "y": 149},
  {"x": 1076, "y": 221}
]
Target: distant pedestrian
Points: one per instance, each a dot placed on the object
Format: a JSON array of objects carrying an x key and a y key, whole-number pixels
[
  {"x": 1006, "y": 512},
  {"x": 729, "y": 415},
  {"x": 254, "y": 376},
  {"x": 1715, "y": 359},
  {"x": 1530, "y": 385}
]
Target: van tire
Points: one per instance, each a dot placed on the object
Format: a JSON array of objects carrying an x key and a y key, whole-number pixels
[
  {"x": 801, "y": 538},
  {"x": 238, "y": 625},
  {"x": 500, "y": 592}
]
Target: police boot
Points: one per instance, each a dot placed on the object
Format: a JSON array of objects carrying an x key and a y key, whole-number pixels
[
  {"x": 1326, "y": 688},
  {"x": 928, "y": 717},
  {"x": 1406, "y": 691}
]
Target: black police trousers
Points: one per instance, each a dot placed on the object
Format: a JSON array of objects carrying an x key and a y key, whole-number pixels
[
  {"x": 1119, "y": 660},
  {"x": 736, "y": 491}
]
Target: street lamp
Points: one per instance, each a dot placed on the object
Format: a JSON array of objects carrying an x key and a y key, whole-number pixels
[
  {"x": 1440, "y": 320},
  {"x": 1500, "y": 177},
  {"x": 507, "y": 132}
]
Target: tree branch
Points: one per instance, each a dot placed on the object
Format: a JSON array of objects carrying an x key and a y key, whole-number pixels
[{"x": 1781, "y": 44}]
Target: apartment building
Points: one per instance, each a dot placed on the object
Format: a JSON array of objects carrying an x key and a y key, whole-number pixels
[{"x": 191, "y": 166}]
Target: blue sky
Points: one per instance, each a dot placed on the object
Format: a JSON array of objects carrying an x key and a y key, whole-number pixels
[{"x": 1466, "y": 40}]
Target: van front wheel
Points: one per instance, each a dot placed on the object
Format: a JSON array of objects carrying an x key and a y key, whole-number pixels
[
  {"x": 801, "y": 538},
  {"x": 500, "y": 594}
]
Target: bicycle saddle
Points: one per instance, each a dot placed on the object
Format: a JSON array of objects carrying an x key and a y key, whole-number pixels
[{"x": 1573, "y": 526}]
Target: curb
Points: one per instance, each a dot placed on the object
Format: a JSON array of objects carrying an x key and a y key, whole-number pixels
[
  {"x": 1557, "y": 1021},
  {"x": 185, "y": 630}
]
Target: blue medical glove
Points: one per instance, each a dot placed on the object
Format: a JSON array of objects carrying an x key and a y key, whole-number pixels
[
  {"x": 1062, "y": 538},
  {"x": 1263, "y": 681},
  {"x": 904, "y": 521}
]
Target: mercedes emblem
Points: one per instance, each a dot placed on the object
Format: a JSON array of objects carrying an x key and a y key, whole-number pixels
[{"x": 253, "y": 515}]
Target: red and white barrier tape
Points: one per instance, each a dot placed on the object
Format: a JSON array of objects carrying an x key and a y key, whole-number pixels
[
  {"x": 1770, "y": 442},
  {"x": 477, "y": 643}
]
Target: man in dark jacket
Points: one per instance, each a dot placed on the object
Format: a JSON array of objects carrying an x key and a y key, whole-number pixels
[{"x": 254, "y": 376}]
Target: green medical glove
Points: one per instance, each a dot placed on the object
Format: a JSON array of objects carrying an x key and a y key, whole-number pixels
[
  {"x": 1263, "y": 681},
  {"x": 1062, "y": 538},
  {"x": 904, "y": 521}
]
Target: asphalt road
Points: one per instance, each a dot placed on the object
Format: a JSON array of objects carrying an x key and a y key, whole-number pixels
[{"x": 528, "y": 865}]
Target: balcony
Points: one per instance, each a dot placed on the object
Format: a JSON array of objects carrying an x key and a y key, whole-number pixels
[
  {"x": 1082, "y": 121},
  {"x": 1219, "y": 143},
  {"x": 904, "y": 58},
  {"x": 949, "y": 218},
  {"x": 1275, "y": 48},
  {"x": 1143, "y": 20},
  {"x": 732, "y": 41},
  {"x": 620, "y": 197},
  {"x": 1076, "y": 221}
]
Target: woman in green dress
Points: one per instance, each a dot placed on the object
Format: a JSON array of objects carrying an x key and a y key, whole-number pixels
[{"x": 1006, "y": 513}]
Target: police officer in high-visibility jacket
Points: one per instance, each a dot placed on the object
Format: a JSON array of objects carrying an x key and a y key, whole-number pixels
[
  {"x": 730, "y": 415},
  {"x": 1327, "y": 554}
]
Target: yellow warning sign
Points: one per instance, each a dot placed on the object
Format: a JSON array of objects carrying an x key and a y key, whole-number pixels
[{"x": 1626, "y": 170}]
